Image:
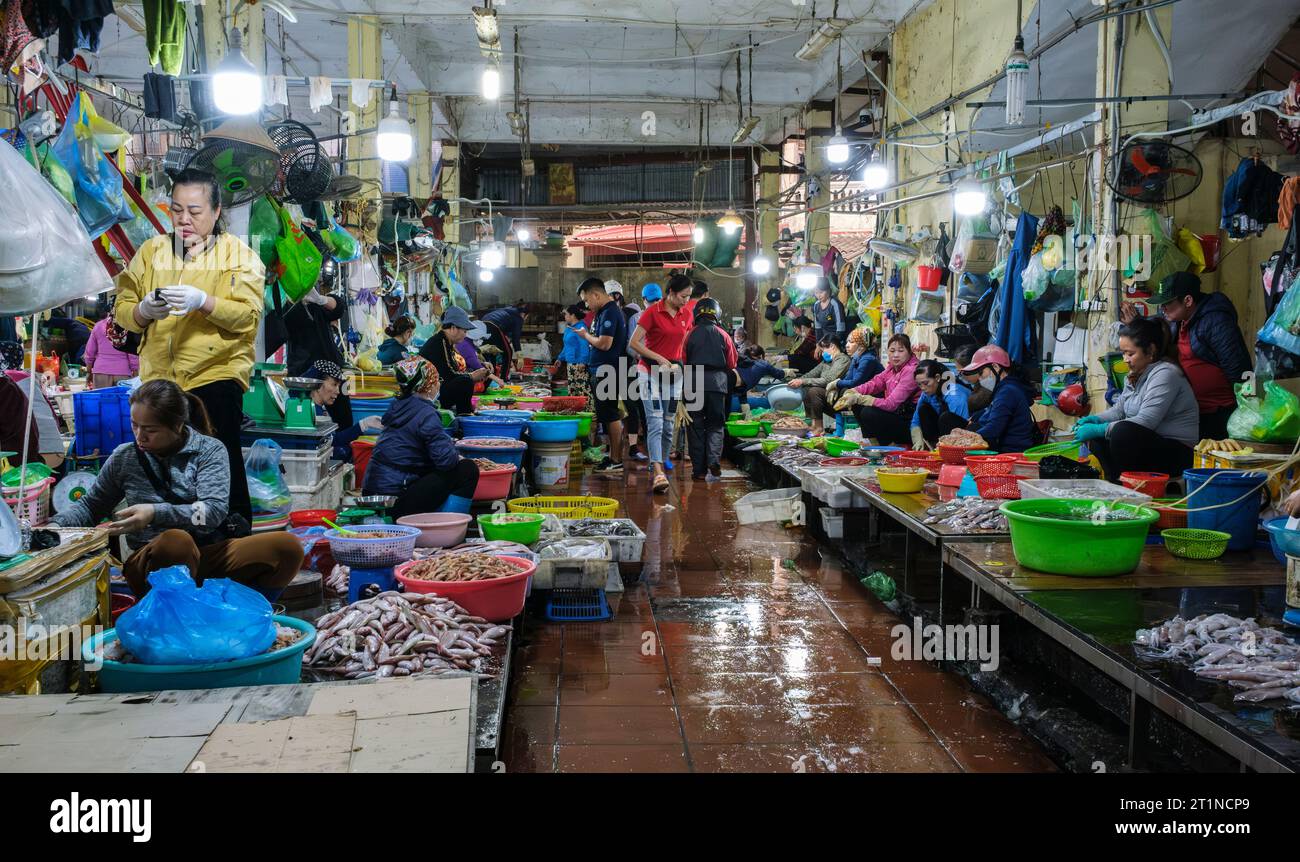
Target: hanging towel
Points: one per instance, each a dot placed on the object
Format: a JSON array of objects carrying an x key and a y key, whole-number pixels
[
  {"x": 164, "y": 34},
  {"x": 361, "y": 91},
  {"x": 321, "y": 92},
  {"x": 275, "y": 90},
  {"x": 1015, "y": 335},
  {"x": 159, "y": 97}
]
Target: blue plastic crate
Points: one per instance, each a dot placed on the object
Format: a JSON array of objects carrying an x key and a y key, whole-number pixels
[
  {"x": 102, "y": 418},
  {"x": 577, "y": 606}
]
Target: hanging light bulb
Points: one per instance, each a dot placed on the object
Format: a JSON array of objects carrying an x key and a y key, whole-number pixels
[
  {"x": 523, "y": 234},
  {"x": 485, "y": 275},
  {"x": 394, "y": 139},
  {"x": 236, "y": 86},
  {"x": 837, "y": 149},
  {"x": 491, "y": 258},
  {"x": 807, "y": 276},
  {"x": 1017, "y": 71},
  {"x": 730, "y": 222},
  {"x": 697, "y": 235},
  {"x": 969, "y": 198},
  {"x": 760, "y": 265},
  {"x": 876, "y": 174},
  {"x": 492, "y": 83}
]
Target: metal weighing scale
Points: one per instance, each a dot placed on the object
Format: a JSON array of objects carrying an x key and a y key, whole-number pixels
[
  {"x": 299, "y": 409},
  {"x": 285, "y": 411},
  {"x": 377, "y": 504}
]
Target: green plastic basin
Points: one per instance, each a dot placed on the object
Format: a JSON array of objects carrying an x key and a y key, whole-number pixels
[
  {"x": 743, "y": 429},
  {"x": 837, "y": 446},
  {"x": 525, "y": 532},
  {"x": 1086, "y": 546}
]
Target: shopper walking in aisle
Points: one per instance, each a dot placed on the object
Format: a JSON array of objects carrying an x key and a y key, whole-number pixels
[
  {"x": 710, "y": 362},
  {"x": 108, "y": 365},
  {"x": 607, "y": 336},
  {"x": 941, "y": 407},
  {"x": 175, "y": 481},
  {"x": 883, "y": 405},
  {"x": 659, "y": 339},
  {"x": 195, "y": 297},
  {"x": 815, "y": 384},
  {"x": 414, "y": 458},
  {"x": 828, "y": 313},
  {"x": 1210, "y": 346},
  {"x": 1154, "y": 423},
  {"x": 394, "y": 349},
  {"x": 1006, "y": 424},
  {"x": 636, "y": 423},
  {"x": 457, "y": 386}
]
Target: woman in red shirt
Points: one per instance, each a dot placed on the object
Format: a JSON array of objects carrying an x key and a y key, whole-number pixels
[{"x": 659, "y": 339}]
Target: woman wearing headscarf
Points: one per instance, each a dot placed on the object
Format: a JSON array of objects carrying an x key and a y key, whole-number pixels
[
  {"x": 415, "y": 459},
  {"x": 324, "y": 396}
]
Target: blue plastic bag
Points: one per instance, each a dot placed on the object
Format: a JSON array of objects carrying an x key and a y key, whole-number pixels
[
  {"x": 179, "y": 622},
  {"x": 96, "y": 185}
]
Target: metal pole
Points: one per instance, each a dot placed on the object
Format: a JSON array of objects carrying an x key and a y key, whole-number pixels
[{"x": 1085, "y": 100}]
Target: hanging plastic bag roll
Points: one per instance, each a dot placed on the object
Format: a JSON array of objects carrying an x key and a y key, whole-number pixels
[{"x": 46, "y": 257}]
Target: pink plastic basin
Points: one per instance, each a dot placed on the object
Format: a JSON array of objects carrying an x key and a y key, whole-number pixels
[{"x": 437, "y": 529}]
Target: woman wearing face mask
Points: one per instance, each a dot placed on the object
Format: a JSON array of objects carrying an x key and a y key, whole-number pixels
[
  {"x": 414, "y": 458},
  {"x": 1155, "y": 421},
  {"x": 834, "y": 362},
  {"x": 1006, "y": 424},
  {"x": 941, "y": 407},
  {"x": 884, "y": 404},
  {"x": 864, "y": 364}
]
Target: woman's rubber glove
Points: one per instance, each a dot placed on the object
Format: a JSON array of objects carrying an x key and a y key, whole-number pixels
[
  {"x": 184, "y": 298},
  {"x": 154, "y": 307},
  {"x": 918, "y": 439},
  {"x": 1087, "y": 420},
  {"x": 1091, "y": 431},
  {"x": 371, "y": 423}
]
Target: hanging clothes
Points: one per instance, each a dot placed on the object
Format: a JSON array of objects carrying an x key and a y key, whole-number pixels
[
  {"x": 80, "y": 23},
  {"x": 361, "y": 91},
  {"x": 20, "y": 47},
  {"x": 1287, "y": 202},
  {"x": 321, "y": 92},
  {"x": 1288, "y": 131},
  {"x": 275, "y": 90},
  {"x": 1015, "y": 334},
  {"x": 164, "y": 34},
  {"x": 1250, "y": 199}
]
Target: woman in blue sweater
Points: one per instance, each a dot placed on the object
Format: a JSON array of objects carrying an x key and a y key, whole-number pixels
[
  {"x": 751, "y": 367},
  {"x": 942, "y": 406},
  {"x": 415, "y": 459},
  {"x": 576, "y": 353},
  {"x": 1006, "y": 424}
]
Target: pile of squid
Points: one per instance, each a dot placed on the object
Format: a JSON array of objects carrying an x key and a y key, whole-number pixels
[
  {"x": 396, "y": 634},
  {"x": 1261, "y": 661}
]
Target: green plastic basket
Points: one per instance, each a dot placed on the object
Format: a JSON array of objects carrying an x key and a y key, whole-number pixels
[
  {"x": 743, "y": 429},
  {"x": 1066, "y": 448},
  {"x": 1195, "y": 544}
]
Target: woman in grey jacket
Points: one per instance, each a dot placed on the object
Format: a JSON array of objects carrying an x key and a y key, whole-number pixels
[
  {"x": 832, "y": 367},
  {"x": 1155, "y": 421}
]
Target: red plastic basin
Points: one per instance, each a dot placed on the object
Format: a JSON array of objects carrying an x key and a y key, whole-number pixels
[
  {"x": 497, "y": 600},
  {"x": 119, "y": 602},
  {"x": 311, "y": 517},
  {"x": 495, "y": 484}
]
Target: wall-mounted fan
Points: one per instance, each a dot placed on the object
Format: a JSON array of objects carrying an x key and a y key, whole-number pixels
[
  {"x": 242, "y": 157},
  {"x": 305, "y": 169},
  {"x": 1154, "y": 172}
]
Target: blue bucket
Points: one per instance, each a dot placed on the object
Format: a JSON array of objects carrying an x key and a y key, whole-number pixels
[
  {"x": 363, "y": 407},
  {"x": 1241, "y": 519},
  {"x": 494, "y": 426},
  {"x": 553, "y": 431}
]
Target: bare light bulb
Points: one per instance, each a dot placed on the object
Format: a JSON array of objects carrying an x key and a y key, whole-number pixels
[
  {"x": 491, "y": 83},
  {"x": 837, "y": 150},
  {"x": 485, "y": 275},
  {"x": 969, "y": 198},
  {"x": 760, "y": 265}
]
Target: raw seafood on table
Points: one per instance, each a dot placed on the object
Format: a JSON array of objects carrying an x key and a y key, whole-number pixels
[
  {"x": 968, "y": 515},
  {"x": 497, "y": 548},
  {"x": 460, "y": 567},
  {"x": 786, "y": 422},
  {"x": 395, "y": 634},
  {"x": 1264, "y": 662},
  {"x": 487, "y": 464},
  {"x": 491, "y": 443},
  {"x": 599, "y": 528},
  {"x": 962, "y": 439}
]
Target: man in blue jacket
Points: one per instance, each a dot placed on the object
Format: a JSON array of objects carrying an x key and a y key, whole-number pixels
[
  {"x": 1211, "y": 349},
  {"x": 1006, "y": 424},
  {"x": 505, "y": 329}
]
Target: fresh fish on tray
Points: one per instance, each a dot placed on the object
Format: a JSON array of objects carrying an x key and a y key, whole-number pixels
[
  {"x": 967, "y": 515},
  {"x": 1261, "y": 661}
]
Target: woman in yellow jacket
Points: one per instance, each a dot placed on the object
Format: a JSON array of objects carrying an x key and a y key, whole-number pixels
[{"x": 195, "y": 298}]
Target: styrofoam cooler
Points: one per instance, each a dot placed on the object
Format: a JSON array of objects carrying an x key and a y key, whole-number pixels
[
  {"x": 624, "y": 549},
  {"x": 778, "y": 504},
  {"x": 304, "y": 468},
  {"x": 325, "y": 494}
]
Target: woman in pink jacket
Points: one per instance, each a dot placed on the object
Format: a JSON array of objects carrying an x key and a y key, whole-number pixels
[
  {"x": 884, "y": 404},
  {"x": 108, "y": 365}
]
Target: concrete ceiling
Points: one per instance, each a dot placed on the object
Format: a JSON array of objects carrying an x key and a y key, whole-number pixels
[
  {"x": 1216, "y": 46},
  {"x": 590, "y": 70}
]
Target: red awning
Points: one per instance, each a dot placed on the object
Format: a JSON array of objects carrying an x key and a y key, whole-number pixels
[{"x": 634, "y": 238}]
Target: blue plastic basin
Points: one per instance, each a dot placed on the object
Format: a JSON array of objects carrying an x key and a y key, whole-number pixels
[
  {"x": 553, "y": 431},
  {"x": 282, "y": 667},
  {"x": 1283, "y": 541},
  {"x": 484, "y": 426}
]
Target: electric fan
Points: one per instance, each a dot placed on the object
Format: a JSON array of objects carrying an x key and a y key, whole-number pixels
[
  {"x": 1154, "y": 172},
  {"x": 305, "y": 170},
  {"x": 243, "y": 159}
]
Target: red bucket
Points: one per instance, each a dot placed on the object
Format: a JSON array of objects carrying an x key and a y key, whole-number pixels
[
  {"x": 361, "y": 452},
  {"x": 1151, "y": 484},
  {"x": 927, "y": 277},
  {"x": 119, "y": 602}
]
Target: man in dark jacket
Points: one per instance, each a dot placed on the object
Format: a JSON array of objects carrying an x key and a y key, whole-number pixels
[
  {"x": 828, "y": 314},
  {"x": 505, "y": 328},
  {"x": 1211, "y": 349},
  {"x": 709, "y": 358}
]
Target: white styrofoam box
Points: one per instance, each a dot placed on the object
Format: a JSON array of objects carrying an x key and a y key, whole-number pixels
[
  {"x": 584, "y": 572},
  {"x": 325, "y": 494},
  {"x": 625, "y": 549},
  {"x": 778, "y": 504},
  {"x": 305, "y": 468},
  {"x": 832, "y": 523},
  {"x": 1080, "y": 489}
]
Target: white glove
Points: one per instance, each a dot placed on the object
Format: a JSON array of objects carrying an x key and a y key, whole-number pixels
[
  {"x": 152, "y": 308},
  {"x": 918, "y": 439},
  {"x": 830, "y": 390},
  {"x": 184, "y": 298},
  {"x": 314, "y": 297},
  {"x": 372, "y": 423}
]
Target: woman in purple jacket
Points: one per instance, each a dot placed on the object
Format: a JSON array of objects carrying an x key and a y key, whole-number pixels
[
  {"x": 108, "y": 365},
  {"x": 415, "y": 460}
]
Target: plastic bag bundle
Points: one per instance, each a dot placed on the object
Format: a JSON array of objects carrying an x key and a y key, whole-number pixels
[
  {"x": 179, "y": 622},
  {"x": 266, "y": 486},
  {"x": 1273, "y": 418},
  {"x": 46, "y": 257}
]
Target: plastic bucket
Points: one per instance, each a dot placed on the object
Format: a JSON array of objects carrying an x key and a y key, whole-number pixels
[
  {"x": 551, "y": 464},
  {"x": 927, "y": 277},
  {"x": 554, "y": 431},
  {"x": 1208, "y": 487},
  {"x": 1151, "y": 484},
  {"x": 495, "y": 484},
  {"x": 361, "y": 452},
  {"x": 492, "y": 426}
]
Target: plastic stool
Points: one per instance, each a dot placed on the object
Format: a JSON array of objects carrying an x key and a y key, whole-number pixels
[{"x": 359, "y": 579}]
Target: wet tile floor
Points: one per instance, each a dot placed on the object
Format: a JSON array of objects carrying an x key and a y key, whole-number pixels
[{"x": 742, "y": 649}]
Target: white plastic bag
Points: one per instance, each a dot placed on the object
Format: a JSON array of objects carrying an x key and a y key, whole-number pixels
[{"x": 46, "y": 258}]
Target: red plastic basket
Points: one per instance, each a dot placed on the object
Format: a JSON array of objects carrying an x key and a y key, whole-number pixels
[
  {"x": 557, "y": 403},
  {"x": 953, "y": 454},
  {"x": 1151, "y": 484},
  {"x": 912, "y": 459},
  {"x": 998, "y": 487},
  {"x": 991, "y": 465},
  {"x": 1170, "y": 518}
]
